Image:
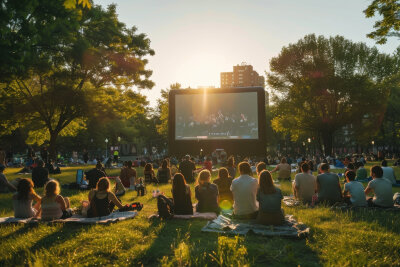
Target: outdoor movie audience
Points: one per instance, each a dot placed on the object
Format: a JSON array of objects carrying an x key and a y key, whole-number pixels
[
  {"x": 244, "y": 190},
  {"x": 187, "y": 167},
  {"x": 94, "y": 175},
  {"x": 224, "y": 181},
  {"x": 304, "y": 184},
  {"x": 40, "y": 175},
  {"x": 328, "y": 186},
  {"x": 382, "y": 189},
  {"x": 181, "y": 195},
  {"x": 206, "y": 193},
  {"x": 164, "y": 172}
]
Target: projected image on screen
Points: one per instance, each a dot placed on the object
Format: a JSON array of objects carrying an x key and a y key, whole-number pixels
[{"x": 216, "y": 116}]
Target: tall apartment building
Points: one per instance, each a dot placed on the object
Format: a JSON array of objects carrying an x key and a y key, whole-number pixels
[{"x": 242, "y": 76}]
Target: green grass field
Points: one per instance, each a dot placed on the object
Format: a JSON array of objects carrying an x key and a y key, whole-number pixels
[{"x": 340, "y": 239}]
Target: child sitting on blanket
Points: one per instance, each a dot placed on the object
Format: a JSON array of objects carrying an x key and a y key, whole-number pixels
[
  {"x": 353, "y": 192},
  {"x": 53, "y": 205},
  {"x": 102, "y": 201},
  {"x": 269, "y": 198},
  {"x": 206, "y": 193},
  {"x": 23, "y": 198}
]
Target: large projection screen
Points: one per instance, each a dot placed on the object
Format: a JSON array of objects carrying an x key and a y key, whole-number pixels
[
  {"x": 201, "y": 121},
  {"x": 216, "y": 116}
]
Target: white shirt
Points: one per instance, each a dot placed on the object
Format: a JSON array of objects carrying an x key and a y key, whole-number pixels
[
  {"x": 388, "y": 173},
  {"x": 357, "y": 195},
  {"x": 244, "y": 189}
]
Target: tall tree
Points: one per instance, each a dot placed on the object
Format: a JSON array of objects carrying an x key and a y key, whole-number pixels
[
  {"x": 321, "y": 85},
  {"x": 81, "y": 52},
  {"x": 163, "y": 110},
  {"x": 389, "y": 23}
]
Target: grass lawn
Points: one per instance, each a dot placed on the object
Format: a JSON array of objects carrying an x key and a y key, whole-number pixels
[{"x": 337, "y": 238}]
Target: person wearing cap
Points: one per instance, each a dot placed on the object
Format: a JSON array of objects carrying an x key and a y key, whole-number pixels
[
  {"x": 187, "y": 167},
  {"x": 5, "y": 185}
]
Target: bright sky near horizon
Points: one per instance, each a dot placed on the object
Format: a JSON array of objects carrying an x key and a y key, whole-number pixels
[{"x": 196, "y": 40}]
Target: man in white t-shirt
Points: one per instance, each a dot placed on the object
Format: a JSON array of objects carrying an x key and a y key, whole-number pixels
[
  {"x": 354, "y": 191},
  {"x": 244, "y": 190},
  {"x": 382, "y": 189},
  {"x": 388, "y": 172},
  {"x": 304, "y": 184}
]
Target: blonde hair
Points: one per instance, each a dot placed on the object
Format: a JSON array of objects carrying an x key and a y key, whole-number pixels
[
  {"x": 204, "y": 177},
  {"x": 103, "y": 184},
  {"x": 52, "y": 188}
]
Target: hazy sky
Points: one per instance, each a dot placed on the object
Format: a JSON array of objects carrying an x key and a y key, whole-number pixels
[{"x": 196, "y": 40}]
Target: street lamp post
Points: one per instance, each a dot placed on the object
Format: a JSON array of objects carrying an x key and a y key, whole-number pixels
[
  {"x": 373, "y": 146},
  {"x": 106, "y": 146}
]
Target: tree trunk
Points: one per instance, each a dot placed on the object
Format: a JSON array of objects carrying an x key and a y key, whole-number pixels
[{"x": 53, "y": 146}]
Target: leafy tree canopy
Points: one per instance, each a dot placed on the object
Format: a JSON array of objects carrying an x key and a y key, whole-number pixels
[
  {"x": 321, "y": 85},
  {"x": 389, "y": 24}
]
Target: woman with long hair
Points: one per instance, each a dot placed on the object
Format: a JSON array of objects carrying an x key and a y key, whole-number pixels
[
  {"x": 102, "y": 200},
  {"x": 54, "y": 206},
  {"x": 23, "y": 199},
  {"x": 206, "y": 193},
  {"x": 224, "y": 182},
  {"x": 269, "y": 198},
  {"x": 164, "y": 172},
  {"x": 149, "y": 176},
  {"x": 181, "y": 195}
]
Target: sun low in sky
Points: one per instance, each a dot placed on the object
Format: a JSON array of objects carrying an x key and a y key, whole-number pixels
[{"x": 196, "y": 40}]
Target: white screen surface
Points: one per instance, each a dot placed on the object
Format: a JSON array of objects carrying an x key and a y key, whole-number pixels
[{"x": 216, "y": 116}]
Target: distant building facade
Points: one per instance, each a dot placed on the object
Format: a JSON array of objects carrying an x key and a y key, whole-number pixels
[{"x": 242, "y": 76}]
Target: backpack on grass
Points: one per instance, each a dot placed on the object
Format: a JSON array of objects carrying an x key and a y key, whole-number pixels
[{"x": 165, "y": 207}]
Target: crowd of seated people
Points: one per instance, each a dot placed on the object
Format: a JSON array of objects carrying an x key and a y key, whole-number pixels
[{"x": 250, "y": 197}]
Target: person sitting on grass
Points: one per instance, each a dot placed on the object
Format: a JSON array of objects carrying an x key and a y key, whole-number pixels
[
  {"x": 5, "y": 185},
  {"x": 164, "y": 172},
  {"x": 40, "y": 175},
  {"x": 284, "y": 170},
  {"x": 244, "y": 190},
  {"x": 23, "y": 198},
  {"x": 328, "y": 186},
  {"x": 382, "y": 189},
  {"x": 94, "y": 175},
  {"x": 388, "y": 172},
  {"x": 206, "y": 193},
  {"x": 128, "y": 175},
  {"x": 224, "y": 183},
  {"x": 53, "y": 205},
  {"x": 269, "y": 200},
  {"x": 304, "y": 184},
  {"x": 149, "y": 175},
  {"x": 187, "y": 167},
  {"x": 361, "y": 171},
  {"x": 181, "y": 195},
  {"x": 102, "y": 200},
  {"x": 350, "y": 167},
  {"x": 353, "y": 192},
  {"x": 261, "y": 166}
]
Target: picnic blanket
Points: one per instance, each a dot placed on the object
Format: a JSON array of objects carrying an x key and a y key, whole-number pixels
[
  {"x": 196, "y": 215},
  {"x": 225, "y": 225},
  {"x": 291, "y": 201},
  {"x": 113, "y": 217}
]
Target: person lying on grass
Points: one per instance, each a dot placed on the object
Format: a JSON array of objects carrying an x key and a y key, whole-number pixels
[
  {"x": 382, "y": 189},
  {"x": 269, "y": 200},
  {"x": 244, "y": 190},
  {"x": 304, "y": 184},
  {"x": 23, "y": 198},
  {"x": 182, "y": 196},
  {"x": 328, "y": 186},
  {"x": 206, "y": 193},
  {"x": 102, "y": 201},
  {"x": 353, "y": 192},
  {"x": 53, "y": 205}
]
